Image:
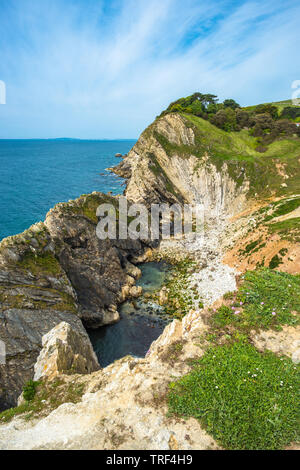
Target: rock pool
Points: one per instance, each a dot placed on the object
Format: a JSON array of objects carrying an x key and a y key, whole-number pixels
[{"x": 141, "y": 321}]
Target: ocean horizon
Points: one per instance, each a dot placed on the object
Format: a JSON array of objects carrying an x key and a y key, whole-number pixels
[{"x": 36, "y": 174}]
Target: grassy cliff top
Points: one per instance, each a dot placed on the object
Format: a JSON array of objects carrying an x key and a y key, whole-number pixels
[
  {"x": 279, "y": 104},
  {"x": 275, "y": 172}
]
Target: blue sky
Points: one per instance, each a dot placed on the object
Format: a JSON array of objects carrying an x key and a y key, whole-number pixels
[{"x": 106, "y": 68}]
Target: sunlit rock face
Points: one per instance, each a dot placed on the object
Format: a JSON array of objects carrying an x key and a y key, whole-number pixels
[{"x": 64, "y": 350}]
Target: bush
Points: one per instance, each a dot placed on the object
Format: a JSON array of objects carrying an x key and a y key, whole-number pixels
[
  {"x": 291, "y": 112},
  {"x": 231, "y": 104},
  {"x": 245, "y": 400},
  {"x": 29, "y": 390},
  {"x": 225, "y": 119},
  {"x": 267, "y": 109}
]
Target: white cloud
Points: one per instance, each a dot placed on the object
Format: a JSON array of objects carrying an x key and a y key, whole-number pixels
[{"x": 79, "y": 72}]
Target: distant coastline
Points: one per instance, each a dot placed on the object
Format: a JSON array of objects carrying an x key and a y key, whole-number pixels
[{"x": 71, "y": 139}]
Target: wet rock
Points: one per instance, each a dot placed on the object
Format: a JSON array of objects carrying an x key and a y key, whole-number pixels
[
  {"x": 65, "y": 350},
  {"x": 163, "y": 296}
]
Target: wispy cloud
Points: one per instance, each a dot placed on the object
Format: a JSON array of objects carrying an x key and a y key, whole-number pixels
[{"x": 96, "y": 69}]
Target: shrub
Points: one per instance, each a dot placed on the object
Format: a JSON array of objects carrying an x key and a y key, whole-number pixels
[
  {"x": 291, "y": 112},
  {"x": 231, "y": 104},
  {"x": 267, "y": 108},
  {"x": 29, "y": 390}
]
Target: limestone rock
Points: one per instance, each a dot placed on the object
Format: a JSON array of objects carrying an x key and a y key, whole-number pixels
[
  {"x": 65, "y": 350},
  {"x": 136, "y": 291},
  {"x": 163, "y": 296},
  {"x": 58, "y": 271},
  {"x": 122, "y": 408},
  {"x": 286, "y": 341},
  {"x": 187, "y": 179}
]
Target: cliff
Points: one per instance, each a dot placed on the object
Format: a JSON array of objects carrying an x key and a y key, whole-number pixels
[
  {"x": 183, "y": 158},
  {"x": 58, "y": 271},
  {"x": 245, "y": 272},
  {"x": 251, "y": 199}
]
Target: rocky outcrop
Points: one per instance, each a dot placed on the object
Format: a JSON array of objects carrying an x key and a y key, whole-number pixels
[
  {"x": 165, "y": 166},
  {"x": 124, "y": 405},
  {"x": 97, "y": 269},
  {"x": 59, "y": 271},
  {"x": 65, "y": 350}
]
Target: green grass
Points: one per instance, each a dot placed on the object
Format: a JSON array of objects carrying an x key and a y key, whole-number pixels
[
  {"x": 237, "y": 150},
  {"x": 279, "y": 104},
  {"x": 287, "y": 229},
  {"x": 181, "y": 296},
  {"x": 40, "y": 263},
  {"x": 44, "y": 397},
  {"x": 244, "y": 399},
  {"x": 261, "y": 293}
]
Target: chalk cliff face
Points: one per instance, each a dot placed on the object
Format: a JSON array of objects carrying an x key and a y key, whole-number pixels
[
  {"x": 58, "y": 271},
  {"x": 165, "y": 166},
  {"x": 58, "y": 277}
]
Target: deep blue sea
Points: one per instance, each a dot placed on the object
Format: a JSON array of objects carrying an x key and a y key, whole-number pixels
[{"x": 37, "y": 174}]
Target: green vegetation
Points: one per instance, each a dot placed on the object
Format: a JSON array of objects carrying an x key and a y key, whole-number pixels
[
  {"x": 244, "y": 399},
  {"x": 29, "y": 390},
  {"x": 44, "y": 397},
  {"x": 286, "y": 207},
  {"x": 40, "y": 263},
  {"x": 86, "y": 205},
  {"x": 282, "y": 207},
  {"x": 39, "y": 300},
  {"x": 252, "y": 247},
  {"x": 159, "y": 171},
  {"x": 266, "y": 122},
  {"x": 237, "y": 149},
  {"x": 265, "y": 299},
  {"x": 288, "y": 229},
  {"x": 181, "y": 296}
]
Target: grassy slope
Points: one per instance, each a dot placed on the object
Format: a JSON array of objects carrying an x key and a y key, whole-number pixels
[
  {"x": 242, "y": 411},
  {"x": 246, "y": 399},
  {"x": 238, "y": 150},
  {"x": 279, "y": 104}
]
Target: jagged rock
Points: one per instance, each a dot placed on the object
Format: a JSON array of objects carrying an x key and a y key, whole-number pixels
[
  {"x": 136, "y": 291},
  {"x": 58, "y": 271},
  {"x": 132, "y": 270},
  {"x": 152, "y": 179},
  {"x": 64, "y": 351},
  {"x": 163, "y": 296}
]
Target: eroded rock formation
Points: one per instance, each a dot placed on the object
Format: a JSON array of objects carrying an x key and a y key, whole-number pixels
[
  {"x": 59, "y": 271},
  {"x": 65, "y": 350}
]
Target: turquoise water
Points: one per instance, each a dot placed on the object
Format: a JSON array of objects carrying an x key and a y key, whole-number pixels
[
  {"x": 37, "y": 174},
  {"x": 141, "y": 322}
]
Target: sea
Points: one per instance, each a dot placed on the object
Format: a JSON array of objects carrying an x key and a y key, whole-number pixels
[{"x": 37, "y": 174}]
